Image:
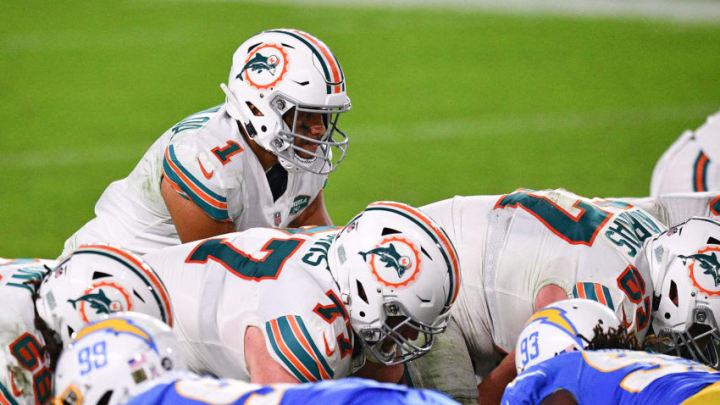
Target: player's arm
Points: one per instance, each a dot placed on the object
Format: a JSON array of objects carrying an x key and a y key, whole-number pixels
[
  {"x": 673, "y": 209},
  {"x": 315, "y": 214},
  {"x": 191, "y": 222},
  {"x": 262, "y": 367},
  {"x": 490, "y": 390}
]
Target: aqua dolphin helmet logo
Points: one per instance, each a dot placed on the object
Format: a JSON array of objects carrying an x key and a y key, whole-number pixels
[
  {"x": 395, "y": 261},
  {"x": 390, "y": 257},
  {"x": 708, "y": 262},
  {"x": 258, "y": 63},
  {"x": 265, "y": 66},
  {"x": 98, "y": 301}
]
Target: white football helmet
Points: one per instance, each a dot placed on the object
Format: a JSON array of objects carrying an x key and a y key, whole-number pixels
[
  {"x": 686, "y": 260},
  {"x": 398, "y": 274},
  {"x": 287, "y": 71},
  {"x": 95, "y": 280},
  {"x": 115, "y": 358},
  {"x": 560, "y": 328}
]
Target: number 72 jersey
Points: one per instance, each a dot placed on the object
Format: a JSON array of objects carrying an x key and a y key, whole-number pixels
[
  {"x": 275, "y": 280},
  {"x": 512, "y": 245}
]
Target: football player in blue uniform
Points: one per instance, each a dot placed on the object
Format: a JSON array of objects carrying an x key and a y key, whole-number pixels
[{"x": 562, "y": 359}]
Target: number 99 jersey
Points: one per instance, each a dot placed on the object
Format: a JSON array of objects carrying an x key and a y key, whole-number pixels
[
  {"x": 25, "y": 375},
  {"x": 511, "y": 246},
  {"x": 275, "y": 280}
]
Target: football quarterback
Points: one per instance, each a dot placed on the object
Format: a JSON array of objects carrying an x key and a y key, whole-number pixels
[
  {"x": 260, "y": 159},
  {"x": 133, "y": 359},
  {"x": 45, "y": 303},
  {"x": 307, "y": 304}
]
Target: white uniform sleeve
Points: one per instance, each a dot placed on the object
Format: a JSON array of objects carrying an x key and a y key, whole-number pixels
[{"x": 672, "y": 209}]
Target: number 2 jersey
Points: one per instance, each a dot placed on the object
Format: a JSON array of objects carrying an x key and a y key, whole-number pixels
[
  {"x": 25, "y": 375},
  {"x": 275, "y": 280},
  {"x": 207, "y": 161},
  {"x": 619, "y": 377}
]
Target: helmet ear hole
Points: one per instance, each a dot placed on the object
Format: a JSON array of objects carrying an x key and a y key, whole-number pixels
[
  {"x": 105, "y": 399},
  {"x": 361, "y": 291},
  {"x": 254, "y": 109},
  {"x": 673, "y": 293}
]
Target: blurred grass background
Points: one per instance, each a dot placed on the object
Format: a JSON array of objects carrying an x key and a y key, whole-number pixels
[{"x": 446, "y": 101}]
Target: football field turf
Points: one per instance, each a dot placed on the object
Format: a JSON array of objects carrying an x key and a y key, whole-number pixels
[{"x": 445, "y": 101}]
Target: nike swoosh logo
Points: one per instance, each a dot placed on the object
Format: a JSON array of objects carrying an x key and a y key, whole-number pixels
[
  {"x": 327, "y": 348},
  {"x": 205, "y": 172}
]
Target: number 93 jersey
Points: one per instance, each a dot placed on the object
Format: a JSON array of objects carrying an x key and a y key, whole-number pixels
[
  {"x": 273, "y": 279},
  {"x": 614, "y": 377},
  {"x": 25, "y": 375},
  {"x": 510, "y": 246}
]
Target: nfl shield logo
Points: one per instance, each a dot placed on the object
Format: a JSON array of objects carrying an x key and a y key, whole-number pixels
[{"x": 278, "y": 218}]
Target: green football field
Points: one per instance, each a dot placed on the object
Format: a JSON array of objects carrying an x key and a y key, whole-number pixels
[{"x": 445, "y": 102}]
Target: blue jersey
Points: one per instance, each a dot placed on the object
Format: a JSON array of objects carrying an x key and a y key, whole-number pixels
[
  {"x": 612, "y": 377},
  {"x": 349, "y": 391}
]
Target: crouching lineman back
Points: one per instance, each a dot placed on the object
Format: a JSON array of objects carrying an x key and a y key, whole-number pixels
[
  {"x": 44, "y": 306},
  {"x": 272, "y": 305},
  {"x": 135, "y": 359},
  {"x": 559, "y": 361}
]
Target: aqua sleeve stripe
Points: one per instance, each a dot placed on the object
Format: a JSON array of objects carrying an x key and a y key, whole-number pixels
[
  {"x": 5, "y": 396},
  {"x": 318, "y": 356},
  {"x": 291, "y": 363},
  {"x": 213, "y": 204},
  {"x": 700, "y": 172},
  {"x": 594, "y": 291},
  {"x": 292, "y": 344}
]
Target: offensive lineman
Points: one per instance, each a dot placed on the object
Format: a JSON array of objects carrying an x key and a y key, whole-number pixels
[
  {"x": 44, "y": 304},
  {"x": 260, "y": 159},
  {"x": 272, "y": 305},
  {"x": 524, "y": 250}
]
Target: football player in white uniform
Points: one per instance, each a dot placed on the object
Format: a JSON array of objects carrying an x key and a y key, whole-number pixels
[
  {"x": 523, "y": 250},
  {"x": 133, "y": 359},
  {"x": 272, "y": 305},
  {"x": 43, "y": 307},
  {"x": 260, "y": 159},
  {"x": 691, "y": 163}
]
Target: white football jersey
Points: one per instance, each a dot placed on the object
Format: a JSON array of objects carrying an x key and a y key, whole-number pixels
[
  {"x": 25, "y": 375},
  {"x": 205, "y": 159},
  {"x": 691, "y": 163},
  {"x": 510, "y": 246},
  {"x": 275, "y": 280}
]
